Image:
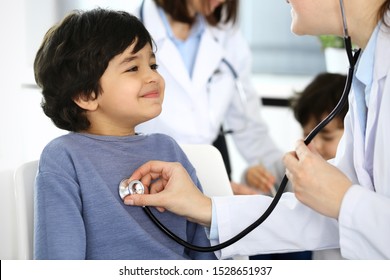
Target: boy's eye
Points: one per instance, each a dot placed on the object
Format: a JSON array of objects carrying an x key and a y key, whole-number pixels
[
  {"x": 132, "y": 69},
  {"x": 154, "y": 66},
  {"x": 327, "y": 138}
]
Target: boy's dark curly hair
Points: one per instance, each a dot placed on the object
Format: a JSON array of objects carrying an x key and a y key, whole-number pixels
[
  {"x": 319, "y": 98},
  {"x": 74, "y": 55}
]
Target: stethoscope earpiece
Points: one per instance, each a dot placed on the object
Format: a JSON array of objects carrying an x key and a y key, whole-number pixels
[{"x": 134, "y": 187}]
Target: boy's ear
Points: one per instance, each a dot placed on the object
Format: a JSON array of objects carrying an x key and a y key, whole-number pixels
[{"x": 88, "y": 103}]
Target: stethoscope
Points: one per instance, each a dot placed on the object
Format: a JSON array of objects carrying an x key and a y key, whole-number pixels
[
  {"x": 134, "y": 187},
  {"x": 137, "y": 186},
  {"x": 237, "y": 83}
]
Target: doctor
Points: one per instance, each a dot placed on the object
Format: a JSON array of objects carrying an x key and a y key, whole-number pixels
[
  {"x": 197, "y": 42},
  {"x": 345, "y": 205}
]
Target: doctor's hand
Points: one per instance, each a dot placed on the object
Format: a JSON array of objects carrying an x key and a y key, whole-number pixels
[
  {"x": 316, "y": 183},
  {"x": 260, "y": 178},
  {"x": 171, "y": 188}
]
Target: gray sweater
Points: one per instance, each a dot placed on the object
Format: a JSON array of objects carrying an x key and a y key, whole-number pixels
[{"x": 78, "y": 211}]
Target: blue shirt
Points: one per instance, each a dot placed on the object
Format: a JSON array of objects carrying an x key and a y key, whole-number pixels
[
  {"x": 364, "y": 73},
  {"x": 362, "y": 91},
  {"x": 79, "y": 213}
]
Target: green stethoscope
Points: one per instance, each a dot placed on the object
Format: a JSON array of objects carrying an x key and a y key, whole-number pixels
[{"x": 137, "y": 187}]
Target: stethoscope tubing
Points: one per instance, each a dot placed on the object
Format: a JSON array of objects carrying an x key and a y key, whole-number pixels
[
  {"x": 353, "y": 58},
  {"x": 275, "y": 200}
]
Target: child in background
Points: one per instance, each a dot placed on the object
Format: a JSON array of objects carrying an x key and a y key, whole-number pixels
[
  {"x": 311, "y": 106},
  {"x": 99, "y": 79},
  {"x": 314, "y": 103}
]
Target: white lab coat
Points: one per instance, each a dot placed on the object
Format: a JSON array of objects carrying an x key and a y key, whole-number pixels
[
  {"x": 194, "y": 108},
  {"x": 363, "y": 228}
]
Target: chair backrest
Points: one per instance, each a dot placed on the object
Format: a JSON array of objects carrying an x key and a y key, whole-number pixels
[
  {"x": 211, "y": 172},
  {"x": 24, "y": 178},
  {"x": 210, "y": 168}
]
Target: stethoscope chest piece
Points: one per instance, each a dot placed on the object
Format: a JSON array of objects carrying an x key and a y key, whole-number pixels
[{"x": 134, "y": 187}]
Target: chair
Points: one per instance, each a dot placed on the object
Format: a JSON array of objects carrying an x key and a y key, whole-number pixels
[
  {"x": 210, "y": 168},
  {"x": 24, "y": 178},
  {"x": 211, "y": 172}
]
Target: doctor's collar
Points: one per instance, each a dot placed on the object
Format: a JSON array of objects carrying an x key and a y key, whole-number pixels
[{"x": 197, "y": 28}]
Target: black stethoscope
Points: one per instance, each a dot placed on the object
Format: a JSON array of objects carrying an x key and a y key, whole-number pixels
[{"x": 137, "y": 187}]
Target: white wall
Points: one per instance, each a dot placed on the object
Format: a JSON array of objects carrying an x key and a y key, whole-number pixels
[
  {"x": 267, "y": 26},
  {"x": 10, "y": 58},
  {"x": 25, "y": 130}
]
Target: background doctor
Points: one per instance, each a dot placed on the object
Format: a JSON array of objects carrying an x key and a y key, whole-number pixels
[
  {"x": 195, "y": 39},
  {"x": 345, "y": 205}
]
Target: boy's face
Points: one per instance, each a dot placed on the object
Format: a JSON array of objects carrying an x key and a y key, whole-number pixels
[
  {"x": 327, "y": 140},
  {"x": 132, "y": 93}
]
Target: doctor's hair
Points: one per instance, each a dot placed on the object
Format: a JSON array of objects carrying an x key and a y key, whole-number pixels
[
  {"x": 384, "y": 9},
  {"x": 74, "y": 55},
  {"x": 319, "y": 98},
  {"x": 178, "y": 10}
]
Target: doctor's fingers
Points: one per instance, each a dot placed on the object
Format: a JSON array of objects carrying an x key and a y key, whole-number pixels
[
  {"x": 154, "y": 169},
  {"x": 146, "y": 200},
  {"x": 290, "y": 160},
  {"x": 296, "y": 168},
  {"x": 302, "y": 150},
  {"x": 157, "y": 186},
  {"x": 185, "y": 200},
  {"x": 303, "y": 157}
]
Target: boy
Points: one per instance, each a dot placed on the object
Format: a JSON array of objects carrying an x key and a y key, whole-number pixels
[
  {"x": 99, "y": 79},
  {"x": 314, "y": 103}
]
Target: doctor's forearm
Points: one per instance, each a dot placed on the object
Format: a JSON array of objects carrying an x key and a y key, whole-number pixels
[{"x": 202, "y": 213}]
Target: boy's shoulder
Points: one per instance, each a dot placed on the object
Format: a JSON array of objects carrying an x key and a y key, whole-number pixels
[
  {"x": 58, "y": 141},
  {"x": 71, "y": 139},
  {"x": 161, "y": 140},
  {"x": 58, "y": 146},
  {"x": 162, "y": 136},
  {"x": 64, "y": 140},
  {"x": 167, "y": 144}
]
